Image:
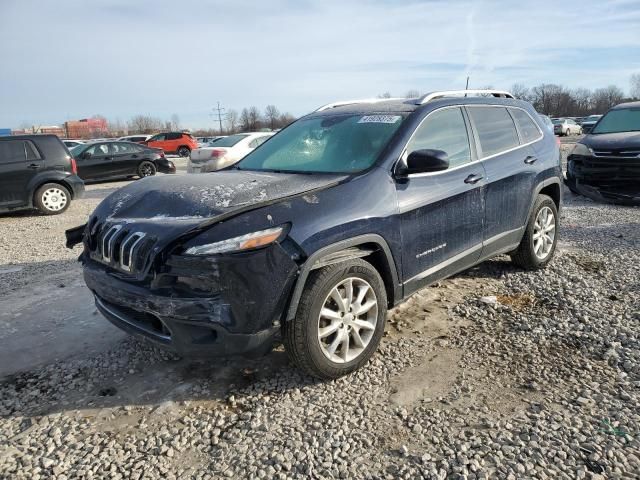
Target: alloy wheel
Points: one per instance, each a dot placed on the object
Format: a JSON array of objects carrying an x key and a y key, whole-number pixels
[
  {"x": 146, "y": 170},
  {"x": 54, "y": 199},
  {"x": 544, "y": 233},
  {"x": 347, "y": 320}
]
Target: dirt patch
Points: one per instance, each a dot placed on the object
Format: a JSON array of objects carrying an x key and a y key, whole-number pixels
[{"x": 517, "y": 301}]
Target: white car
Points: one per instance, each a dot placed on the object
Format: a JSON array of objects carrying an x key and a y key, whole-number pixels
[
  {"x": 135, "y": 138},
  {"x": 225, "y": 152}
]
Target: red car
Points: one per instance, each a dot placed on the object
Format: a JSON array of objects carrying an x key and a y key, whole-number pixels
[{"x": 173, "y": 142}]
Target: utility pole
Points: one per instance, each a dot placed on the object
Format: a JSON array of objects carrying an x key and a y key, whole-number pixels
[
  {"x": 219, "y": 111},
  {"x": 467, "y": 86}
]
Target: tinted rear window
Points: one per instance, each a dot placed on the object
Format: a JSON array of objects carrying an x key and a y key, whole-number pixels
[
  {"x": 495, "y": 128},
  {"x": 528, "y": 128},
  {"x": 230, "y": 141}
]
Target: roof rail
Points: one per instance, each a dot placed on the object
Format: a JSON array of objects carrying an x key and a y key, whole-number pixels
[
  {"x": 452, "y": 93},
  {"x": 352, "y": 102}
]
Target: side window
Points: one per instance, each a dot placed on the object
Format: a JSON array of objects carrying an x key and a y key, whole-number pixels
[
  {"x": 157, "y": 138},
  {"x": 12, "y": 151},
  {"x": 257, "y": 141},
  {"x": 174, "y": 136},
  {"x": 32, "y": 151},
  {"x": 444, "y": 130},
  {"x": 528, "y": 128},
  {"x": 495, "y": 128},
  {"x": 121, "y": 148},
  {"x": 99, "y": 150}
]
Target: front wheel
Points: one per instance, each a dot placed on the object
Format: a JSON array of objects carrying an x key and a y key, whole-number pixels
[
  {"x": 340, "y": 320},
  {"x": 52, "y": 198},
  {"x": 146, "y": 169},
  {"x": 184, "y": 151},
  {"x": 538, "y": 244}
]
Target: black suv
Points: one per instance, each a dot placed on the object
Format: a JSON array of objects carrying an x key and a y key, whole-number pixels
[
  {"x": 605, "y": 165},
  {"x": 37, "y": 171},
  {"x": 330, "y": 222}
]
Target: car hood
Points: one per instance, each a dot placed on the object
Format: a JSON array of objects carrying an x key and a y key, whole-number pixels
[
  {"x": 191, "y": 201},
  {"x": 615, "y": 141}
]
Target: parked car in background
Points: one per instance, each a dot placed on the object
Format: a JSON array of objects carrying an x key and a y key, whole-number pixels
[
  {"x": 206, "y": 141},
  {"x": 36, "y": 171},
  {"x": 135, "y": 138},
  {"x": 72, "y": 143},
  {"x": 173, "y": 142},
  {"x": 547, "y": 121},
  {"x": 605, "y": 164},
  {"x": 225, "y": 152},
  {"x": 589, "y": 122},
  {"x": 314, "y": 235},
  {"x": 565, "y": 126},
  {"x": 113, "y": 159}
]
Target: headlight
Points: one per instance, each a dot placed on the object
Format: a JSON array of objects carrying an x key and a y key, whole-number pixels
[
  {"x": 582, "y": 149},
  {"x": 237, "y": 244}
]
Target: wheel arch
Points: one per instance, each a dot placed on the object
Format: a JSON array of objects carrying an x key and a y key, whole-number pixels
[
  {"x": 36, "y": 185},
  {"x": 550, "y": 187},
  {"x": 371, "y": 247}
]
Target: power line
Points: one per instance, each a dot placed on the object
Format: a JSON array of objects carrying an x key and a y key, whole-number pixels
[{"x": 219, "y": 112}]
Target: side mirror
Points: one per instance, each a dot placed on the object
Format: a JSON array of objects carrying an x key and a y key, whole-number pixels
[
  {"x": 425, "y": 161},
  {"x": 86, "y": 155}
]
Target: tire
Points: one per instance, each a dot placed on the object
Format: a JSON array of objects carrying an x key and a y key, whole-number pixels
[
  {"x": 302, "y": 334},
  {"x": 184, "y": 151},
  {"x": 146, "y": 169},
  {"x": 525, "y": 255},
  {"x": 52, "y": 198}
]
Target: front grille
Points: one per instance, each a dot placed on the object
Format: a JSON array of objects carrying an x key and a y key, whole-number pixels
[
  {"x": 618, "y": 153},
  {"x": 146, "y": 322},
  {"x": 120, "y": 247}
]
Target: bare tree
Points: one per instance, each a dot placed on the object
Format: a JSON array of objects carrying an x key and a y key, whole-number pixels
[
  {"x": 144, "y": 124},
  {"x": 385, "y": 95},
  {"x": 412, "y": 94},
  {"x": 605, "y": 98},
  {"x": 245, "y": 121},
  {"x": 520, "y": 91},
  {"x": 232, "y": 120},
  {"x": 271, "y": 114},
  {"x": 634, "y": 91},
  {"x": 175, "y": 122},
  {"x": 254, "y": 118},
  {"x": 285, "y": 119}
]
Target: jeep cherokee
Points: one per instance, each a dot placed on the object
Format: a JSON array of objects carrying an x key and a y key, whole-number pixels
[{"x": 325, "y": 226}]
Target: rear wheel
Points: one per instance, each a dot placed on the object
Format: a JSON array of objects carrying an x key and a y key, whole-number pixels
[
  {"x": 184, "y": 151},
  {"x": 52, "y": 198},
  {"x": 146, "y": 169},
  {"x": 538, "y": 244},
  {"x": 340, "y": 320}
]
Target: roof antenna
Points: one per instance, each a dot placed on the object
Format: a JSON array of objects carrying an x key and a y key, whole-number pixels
[{"x": 467, "y": 86}]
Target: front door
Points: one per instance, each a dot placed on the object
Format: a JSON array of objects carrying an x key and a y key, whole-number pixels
[
  {"x": 442, "y": 213},
  {"x": 94, "y": 162},
  {"x": 125, "y": 158}
]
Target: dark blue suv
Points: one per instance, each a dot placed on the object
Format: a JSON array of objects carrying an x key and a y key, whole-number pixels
[{"x": 325, "y": 226}]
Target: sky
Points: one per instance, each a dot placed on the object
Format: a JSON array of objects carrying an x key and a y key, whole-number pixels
[{"x": 71, "y": 59}]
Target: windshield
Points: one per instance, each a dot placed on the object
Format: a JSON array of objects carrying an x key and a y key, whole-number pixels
[
  {"x": 619, "y": 120},
  {"x": 557, "y": 121},
  {"x": 593, "y": 118},
  {"x": 327, "y": 144},
  {"x": 230, "y": 141}
]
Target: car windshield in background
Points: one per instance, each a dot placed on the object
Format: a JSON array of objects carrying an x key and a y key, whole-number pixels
[
  {"x": 619, "y": 120},
  {"x": 557, "y": 121},
  {"x": 77, "y": 149},
  {"x": 327, "y": 144},
  {"x": 230, "y": 141}
]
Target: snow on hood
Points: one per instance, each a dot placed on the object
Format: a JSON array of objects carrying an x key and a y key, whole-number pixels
[{"x": 193, "y": 199}]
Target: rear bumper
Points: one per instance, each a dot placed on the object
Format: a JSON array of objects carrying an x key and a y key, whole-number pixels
[
  {"x": 166, "y": 166},
  {"x": 77, "y": 186},
  {"x": 215, "y": 306}
]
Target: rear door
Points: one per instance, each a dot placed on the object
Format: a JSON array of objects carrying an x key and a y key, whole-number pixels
[
  {"x": 124, "y": 158},
  {"x": 19, "y": 162},
  {"x": 441, "y": 213},
  {"x": 173, "y": 142},
  {"x": 510, "y": 167}
]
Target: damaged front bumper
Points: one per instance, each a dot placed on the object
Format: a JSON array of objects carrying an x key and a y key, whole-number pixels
[
  {"x": 609, "y": 180},
  {"x": 216, "y": 306}
]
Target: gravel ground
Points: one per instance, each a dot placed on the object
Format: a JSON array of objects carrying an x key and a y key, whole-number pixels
[{"x": 497, "y": 373}]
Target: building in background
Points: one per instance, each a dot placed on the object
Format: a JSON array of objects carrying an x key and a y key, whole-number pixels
[
  {"x": 95, "y": 127},
  {"x": 4, "y": 132}
]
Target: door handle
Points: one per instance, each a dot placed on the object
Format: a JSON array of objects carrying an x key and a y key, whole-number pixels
[
  {"x": 530, "y": 160},
  {"x": 473, "y": 178},
  {"x": 33, "y": 166}
]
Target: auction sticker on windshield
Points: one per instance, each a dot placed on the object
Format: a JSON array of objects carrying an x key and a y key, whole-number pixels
[{"x": 380, "y": 119}]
